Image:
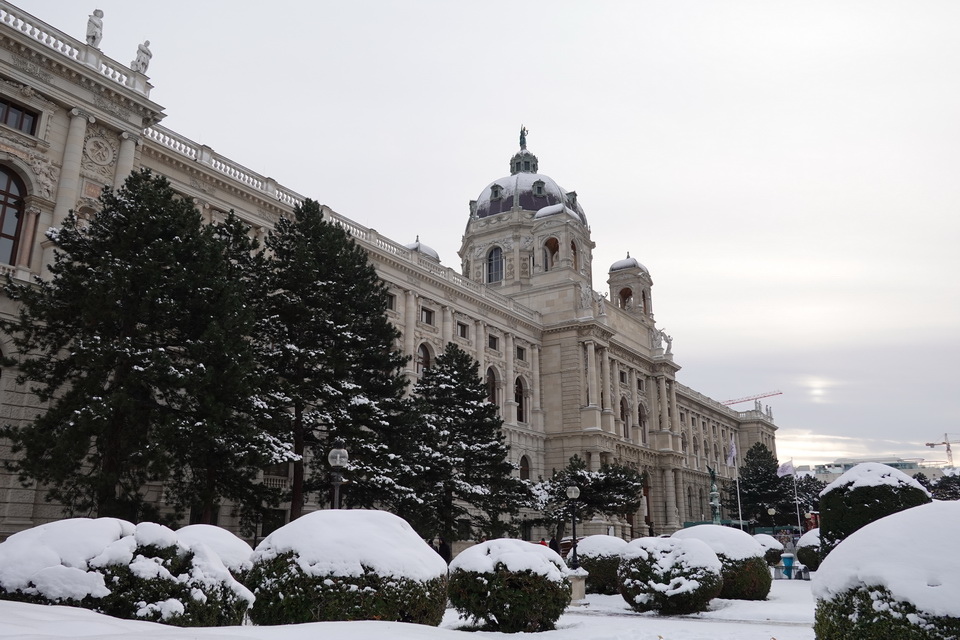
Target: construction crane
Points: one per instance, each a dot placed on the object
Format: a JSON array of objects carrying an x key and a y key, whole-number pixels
[
  {"x": 946, "y": 441},
  {"x": 756, "y": 397}
]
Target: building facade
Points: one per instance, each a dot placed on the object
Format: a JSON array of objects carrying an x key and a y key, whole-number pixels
[{"x": 573, "y": 371}]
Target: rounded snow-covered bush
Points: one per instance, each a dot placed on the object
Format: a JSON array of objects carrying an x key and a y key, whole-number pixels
[
  {"x": 669, "y": 575},
  {"x": 895, "y": 578},
  {"x": 600, "y": 557},
  {"x": 510, "y": 585},
  {"x": 111, "y": 566},
  {"x": 865, "y": 493},
  {"x": 347, "y": 564},
  {"x": 772, "y": 548},
  {"x": 745, "y": 572},
  {"x": 808, "y": 549},
  {"x": 234, "y": 552}
]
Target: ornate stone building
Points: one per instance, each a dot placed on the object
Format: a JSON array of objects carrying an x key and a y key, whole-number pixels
[{"x": 573, "y": 371}]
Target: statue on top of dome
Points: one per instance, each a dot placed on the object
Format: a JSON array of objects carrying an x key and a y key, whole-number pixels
[{"x": 523, "y": 137}]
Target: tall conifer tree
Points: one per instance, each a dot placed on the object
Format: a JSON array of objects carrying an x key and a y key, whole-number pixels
[
  {"x": 136, "y": 343},
  {"x": 332, "y": 352},
  {"x": 761, "y": 489}
]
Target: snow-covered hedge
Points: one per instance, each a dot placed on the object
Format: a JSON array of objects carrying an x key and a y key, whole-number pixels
[
  {"x": 669, "y": 575},
  {"x": 510, "y": 585},
  {"x": 895, "y": 578},
  {"x": 745, "y": 572},
  {"x": 772, "y": 548},
  {"x": 865, "y": 493},
  {"x": 808, "y": 549},
  {"x": 600, "y": 557},
  {"x": 138, "y": 572},
  {"x": 234, "y": 552},
  {"x": 347, "y": 564}
]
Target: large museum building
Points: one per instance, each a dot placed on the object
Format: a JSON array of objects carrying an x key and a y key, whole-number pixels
[{"x": 573, "y": 371}]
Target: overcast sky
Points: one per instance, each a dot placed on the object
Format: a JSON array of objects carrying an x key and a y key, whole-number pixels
[{"x": 789, "y": 172}]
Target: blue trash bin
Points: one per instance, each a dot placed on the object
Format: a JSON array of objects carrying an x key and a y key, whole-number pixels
[{"x": 787, "y": 560}]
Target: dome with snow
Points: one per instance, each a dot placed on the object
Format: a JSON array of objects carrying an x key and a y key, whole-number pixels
[
  {"x": 627, "y": 263},
  {"x": 421, "y": 248},
  {"x": 529, "y": 190}
]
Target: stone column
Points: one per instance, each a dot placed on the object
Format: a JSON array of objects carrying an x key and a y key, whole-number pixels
[
  {"x": 128, "y": 148},
  {"x": 535, "y": 374},
  {"x": 447, "y": 324},
  {"x": 409, "y": 330},
  {"x": 509, "y": 402},
  {"x": 481, "y": 348},
  {"x": 662, "y": 405},
  {"x": 670, "y": 496},
  {"x": 25, "y": 250},
  {"x": 681, "y": 496},
  {"x": 592, "y": 373},
  {"x": 69, "y": 187},
  {"x": 635, "y": 406},
  {"x": 674, "y": 408},
  {"x": 605, "y": 383}
]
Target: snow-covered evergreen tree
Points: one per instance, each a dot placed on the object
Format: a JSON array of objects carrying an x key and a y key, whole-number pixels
[
  {"x": 761, "y": 489},
  {"x": 137, "y": 343},
  {"x": 465, "y": 473},
  {"x": 331, "y": 351}
]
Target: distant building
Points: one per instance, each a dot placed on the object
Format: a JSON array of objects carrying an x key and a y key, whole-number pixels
[
  {"x": 910, "y": 466},
  {"x": 573, "y": 371}
]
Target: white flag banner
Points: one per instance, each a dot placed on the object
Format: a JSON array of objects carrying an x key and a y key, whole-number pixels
[
  {"x": 732, "y": 456},
  {"x": 786, "y": 469}
]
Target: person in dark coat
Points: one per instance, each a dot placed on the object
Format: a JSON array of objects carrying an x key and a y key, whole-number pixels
[
  {"x": 444, "y": 550},
  {"x": 554, "y": 544}
]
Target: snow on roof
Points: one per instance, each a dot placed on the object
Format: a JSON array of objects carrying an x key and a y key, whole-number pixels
[
  {"x": 810, "y": 539},
  {"x": 767, "y": 541},
  {"x": 234, "y": 552},
  {"x": 872, "y": 474},
  {"x": 515, "y": 555},
  {"x": 553, "y": 210},
  {"x": 912, "y": 553},
  {"x": 732, "y": 543},
  {"x": 601, "y": 546},
  {"x": 342, "y": 542},
  {"x": 627, "y": 263}
]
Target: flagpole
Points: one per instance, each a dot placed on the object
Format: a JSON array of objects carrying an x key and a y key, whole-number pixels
[
  {"x": 739, "y": 509},
  {"x": 796, "y": 501}
]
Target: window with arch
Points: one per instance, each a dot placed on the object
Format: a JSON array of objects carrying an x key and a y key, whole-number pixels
[
  {"x": 551, "y": 249},
  {"x": 574, "y": 257},
  {"x": 519, "y": 397},
  {"x": 645, "y": 302},
  {"x": 625, "y": 416},
  {"x": 12, "y": 192},
  {"x": 495, "y": 265},
  {"x": 625, "y": 298},
  {"x": 491, "y": 381},
  {"x": 524, "y": 468},
  {"x": 423, "y": 359},
  {"x": 690, "y": 508},
  {"x": 496, "y": 192}
]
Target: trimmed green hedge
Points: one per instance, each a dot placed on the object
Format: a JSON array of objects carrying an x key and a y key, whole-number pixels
[
  {"x": 871, "y": 613},
  {"x": 287, "y": 595},
  {"x": 809, "y": 556},
  {"x": 602, "y": 574},
  {"x": 748, "y": 579},
  {"x": 509, "y": 601},
  {"x": 661, "y": 575}
]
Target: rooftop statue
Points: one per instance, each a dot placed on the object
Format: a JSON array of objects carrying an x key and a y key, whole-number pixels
[
  {"x": 95, "y": 28},
  {"x": 142, "y": 61},
  {"x": 523, "y": 137}
]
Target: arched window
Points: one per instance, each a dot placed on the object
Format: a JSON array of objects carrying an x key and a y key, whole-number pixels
[
  {"x": 550, "y": 250},
  {"x": 524, "y": 468},
  {"x": 696, "y": 447},
  {"x": 495, "y": 265},
  {"x": 625, "y": 417},
  {"x": 12, "y": 192},
  {"x": 574, "y": 258},
  {"x": 645, "y": 303},
  {"x": 690, "y": 508},
  {"x": 625, "y": 298},
  {"x": 518, "y": 397},
  {"x": 491, "y": 385},
  {"x": 423, "y": 359}
]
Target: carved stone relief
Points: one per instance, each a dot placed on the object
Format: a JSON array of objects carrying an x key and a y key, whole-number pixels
[
  {"x": 48, "y": 175},
  {"x": 100, "y": 150}
]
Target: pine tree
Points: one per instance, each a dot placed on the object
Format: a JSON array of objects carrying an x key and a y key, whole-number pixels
[
  {"x": 947, "y": 487},
  {"x": 463, "y": 454},
  {"x": 808, "y": 493},
  {"x": 331, "y": 350},
  {"x": 761, "y": 488},
  {"x": 125, "y": 342}
]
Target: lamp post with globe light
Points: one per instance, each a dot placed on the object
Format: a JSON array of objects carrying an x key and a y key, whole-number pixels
[
  {"x": 573, "y": 492},
  {"x": 337, "y": 458}
]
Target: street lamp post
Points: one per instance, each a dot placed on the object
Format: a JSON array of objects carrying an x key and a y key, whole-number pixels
[
  {"x": 338, "y": 459},
  {"x": 573, "y": 492},
  {"x": 772, "y": 512}
]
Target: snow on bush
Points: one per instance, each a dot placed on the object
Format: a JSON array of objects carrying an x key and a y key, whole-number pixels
[
  {"x": 347, "y": 564},
  {"x": 865, "y": 493},
  {"x": 600, "y": 557},
  {"x": 510, "y": 585},
  {"x": 745, "y": 572},
  {"x": 772, "y": 548},
  {"x": 669, "y": 575},
  {"x": 808, "y": 549},
  {"x": 897, "y": 577},
  {"x": 234, "y": 552},
  {"x": 126, "y": 571}
]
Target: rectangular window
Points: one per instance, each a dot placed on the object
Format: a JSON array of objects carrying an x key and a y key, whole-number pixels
[
  {"x": 20, "y": 118},
  {"x": 623, "y": 377},
  {"x": 426, "y": 315},
  {"x": 463, "y": 330},
  {"x": 639, "y": 384},
  {"x": 521, "y": 354},
  {"x": 493, "y": 342},
  {"x": 391, "y": 302}
]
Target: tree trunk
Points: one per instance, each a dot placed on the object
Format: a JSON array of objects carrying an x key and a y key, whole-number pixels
[{"x": 296, "y": 488}]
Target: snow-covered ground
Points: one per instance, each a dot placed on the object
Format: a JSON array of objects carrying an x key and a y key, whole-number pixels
[{"x": 786, "y": 615}]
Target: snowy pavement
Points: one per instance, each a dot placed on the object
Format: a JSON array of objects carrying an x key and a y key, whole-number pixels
[{"x": 786, "y": 615}]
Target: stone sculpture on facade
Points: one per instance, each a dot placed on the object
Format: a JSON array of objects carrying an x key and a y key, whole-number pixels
[
  {"x": 656, "y": 339},
  {"x": 142, "y": 61},
  {"x": 669, "y": 341},
  {"x": 523, "y": 137},
  {"x": 95, "y": 28}
]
